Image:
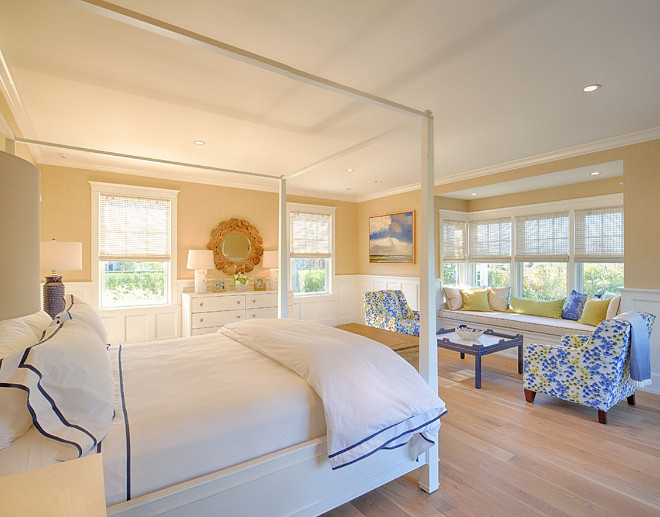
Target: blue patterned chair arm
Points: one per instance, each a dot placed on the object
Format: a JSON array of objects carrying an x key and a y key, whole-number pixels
[
  {"x": 389, "y": 310},
  {"x": 415, "y": 315},
  {"x": 574, "y": 340}
]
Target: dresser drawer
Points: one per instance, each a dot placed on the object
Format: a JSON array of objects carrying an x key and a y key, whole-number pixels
[
  {"x": 256, "y": 301},
  {"x": 217, "y": 303},
  {"x": 267, "y": 312},
  {"x": 216, "y": 319}
]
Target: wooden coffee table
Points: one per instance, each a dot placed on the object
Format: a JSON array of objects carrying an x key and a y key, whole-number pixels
[{"x": 488, "y": 343}]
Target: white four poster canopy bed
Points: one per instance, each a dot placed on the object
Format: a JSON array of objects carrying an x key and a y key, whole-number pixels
[{"x": 307, "y": 425}]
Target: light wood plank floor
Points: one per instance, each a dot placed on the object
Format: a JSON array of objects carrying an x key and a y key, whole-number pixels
[{"x": 502, "y": 456}]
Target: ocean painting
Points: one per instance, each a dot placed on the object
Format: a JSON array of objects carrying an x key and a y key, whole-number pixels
[{"x": 391, "y": 238}]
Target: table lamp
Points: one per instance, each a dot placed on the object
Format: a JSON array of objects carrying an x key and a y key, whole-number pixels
[
  {"x": 200, "y": 261},
  {"x": 19, "y": 237},
  {"x": 56, "y": 255},
  {"x": 270, "y": 261}
]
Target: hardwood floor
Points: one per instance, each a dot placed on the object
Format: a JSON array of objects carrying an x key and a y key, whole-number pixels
[{"x": 502, "y": 456}]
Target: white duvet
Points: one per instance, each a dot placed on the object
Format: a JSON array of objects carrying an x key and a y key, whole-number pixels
[{"x": 372, "y": 398}]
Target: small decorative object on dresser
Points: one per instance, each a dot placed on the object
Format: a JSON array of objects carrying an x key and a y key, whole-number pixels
[
  {"x": 240, "y": 281},
  {"x": 219, "y": 286},
  {"x": 259, "y": 284}
]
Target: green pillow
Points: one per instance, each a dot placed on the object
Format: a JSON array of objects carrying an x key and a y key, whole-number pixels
[
  {"x": 547, "y": 308},
  {"x": 476, "y": 300},
  {"x": 595, "y": 311}
]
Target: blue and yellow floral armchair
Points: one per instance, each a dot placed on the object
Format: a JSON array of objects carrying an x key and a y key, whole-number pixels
[
  {"x": 590, "y": 370},
  {"x": 389, "y": 310}
]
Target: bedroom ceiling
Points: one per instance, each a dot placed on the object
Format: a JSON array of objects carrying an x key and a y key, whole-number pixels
[{"x": 503, "y": 79}]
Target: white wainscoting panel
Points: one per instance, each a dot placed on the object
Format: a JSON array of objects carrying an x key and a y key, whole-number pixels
[
  {"x": 335, "y": 309},
  {"x": 646, "y": 300}
]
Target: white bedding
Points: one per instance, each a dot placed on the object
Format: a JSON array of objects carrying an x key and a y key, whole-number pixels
[{"x": 372, "y": 398}]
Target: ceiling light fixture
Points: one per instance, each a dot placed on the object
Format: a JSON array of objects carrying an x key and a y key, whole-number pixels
[
  {"x": 378, "y": 181},
  {"x": 474, "y": 193},
  {"x": 62, "y": 155},
  {"x": 199, "y": 142},
  {"x": 349, "y": 188},
  {"x": 350, "y": 170},
  {"x": 591, "y": 88},
  {"x": 595, "y": 173}
]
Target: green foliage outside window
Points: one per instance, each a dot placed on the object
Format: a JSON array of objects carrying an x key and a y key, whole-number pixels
[
  {"x": 450, "y": 273},
  {"x": 599, "y": 278},
  {"x": 544, "y": 280},
  {"x": 134, "y": 283}
]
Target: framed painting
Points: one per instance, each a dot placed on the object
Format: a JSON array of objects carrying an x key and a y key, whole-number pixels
[{"x": 392, "y": 238}]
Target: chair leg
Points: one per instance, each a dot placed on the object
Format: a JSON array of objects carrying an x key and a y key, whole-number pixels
[
  {"x": 631, "y": 400},
  {"x": 602, "y": 416},
  {"x": 529, "y": 395}
]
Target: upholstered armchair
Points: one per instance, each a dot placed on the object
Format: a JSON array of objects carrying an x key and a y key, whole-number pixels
[
  {"x": 590, "y": 370},
  {"x": 389, "y": 310}
]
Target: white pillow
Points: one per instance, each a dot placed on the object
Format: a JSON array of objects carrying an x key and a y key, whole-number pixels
[
  {"x": 498, "y": 298},
  {"x": 75, "y": 308},
  {"x": 15, "y": 420},
  {"x": 70, "y": 386},
  {"x": 453, "y": 298},
  {"x": 38, "y": 322},
  {"x": 614, "y": 307}
]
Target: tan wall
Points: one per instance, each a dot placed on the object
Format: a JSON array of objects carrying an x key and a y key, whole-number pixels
[
  {"x": 641, "y": 194},
  {"x": 66, "y": 215}
]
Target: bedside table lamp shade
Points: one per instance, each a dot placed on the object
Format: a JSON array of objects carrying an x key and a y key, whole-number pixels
[
  {"x": 200, "y": 261},
  {"x": 270, "y": 262},
  {"x": 19, "y": 237},
  {"x": 63, "y": 256}
]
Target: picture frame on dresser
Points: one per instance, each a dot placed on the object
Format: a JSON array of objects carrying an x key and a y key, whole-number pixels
[
  {"x": 259, "y": 284},
  {"x": 219, "y": 286}
]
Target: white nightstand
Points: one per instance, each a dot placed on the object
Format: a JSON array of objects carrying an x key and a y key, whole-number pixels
[{"x": 68, "y": 489}]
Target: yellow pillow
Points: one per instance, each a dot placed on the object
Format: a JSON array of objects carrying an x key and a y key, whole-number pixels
[
  {"x": 595, "y": 311},
  {"x": 476, "y": 300},
  {"x": 547, "y": 308}
]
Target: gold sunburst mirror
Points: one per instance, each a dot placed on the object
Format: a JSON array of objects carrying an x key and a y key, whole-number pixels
[{"x": 237, "y": 246}]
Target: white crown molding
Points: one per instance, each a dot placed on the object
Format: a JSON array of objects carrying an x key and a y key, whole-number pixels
[
  {"x": 10, "y": 93},
  {"x": 390, "y": 192},
  {"x": 560, "y": 154}
]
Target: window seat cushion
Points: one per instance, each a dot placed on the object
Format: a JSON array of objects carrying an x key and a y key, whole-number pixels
[{"x": 517, "y": 322}]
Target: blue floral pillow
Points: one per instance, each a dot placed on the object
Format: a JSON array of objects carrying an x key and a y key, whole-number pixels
[{"x": 575, "y": 306}]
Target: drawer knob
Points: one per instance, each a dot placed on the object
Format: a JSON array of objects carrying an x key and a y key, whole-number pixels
[
  {"x": 201, "y": 304},
  {"x": 238, "y": 317},
  {"x": 238, "y": 302},
  {"x": 201, "y": 319}
]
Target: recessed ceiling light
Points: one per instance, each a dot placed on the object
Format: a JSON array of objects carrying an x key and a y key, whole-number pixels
[
  {"x": 474, "y": 193},
  {"x": 349, "y": 188},
  {"x": 199, "y": 142},
  {"x": 595, "y": 173},
  {"x": 62, "y": 155},
  {"x": 350, "y": 170},
  {"x": 378, "y": 181},
  {"x": 591, "y": 88}
]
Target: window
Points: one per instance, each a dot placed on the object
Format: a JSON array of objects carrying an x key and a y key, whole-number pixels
[
  {"x": 542, "y": 248},
  {"x": 133, "y": 243},
  {"x": 311, "y": 248},
  {"x": 599, "y": 249},
  {"x": 489, "y": 251},
  {"x": 454, "y": 243}
]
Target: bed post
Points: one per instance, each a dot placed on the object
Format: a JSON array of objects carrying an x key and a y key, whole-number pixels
[
  {"x": 428, "y": 355},
  {"x": 283, "y": 282}
]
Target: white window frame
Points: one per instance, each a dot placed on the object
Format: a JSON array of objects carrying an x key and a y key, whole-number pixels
[
  {"x": 98, "y": 188},
  {"x": 313, "y": 209}
]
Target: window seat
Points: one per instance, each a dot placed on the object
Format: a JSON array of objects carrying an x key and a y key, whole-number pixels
[{"x": 533, "y": 328}]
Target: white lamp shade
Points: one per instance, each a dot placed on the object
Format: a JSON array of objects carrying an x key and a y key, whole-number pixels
[
  {"x": 19, "y": 237},
  {"x": 270, "y": 259},
  {"x": 65, "y": 256},
  {"x": 200, "y": 259}
]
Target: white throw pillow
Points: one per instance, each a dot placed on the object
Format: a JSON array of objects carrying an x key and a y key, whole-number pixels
[
  {"x": 15, "y": 419},
  {"x": 498, "y": 298},
  {"x": 614, "y": 308},
  {"x": 70, "y": 386},
  {"x": 75, "y": 308},
  {"x": 453, "y": 298}
]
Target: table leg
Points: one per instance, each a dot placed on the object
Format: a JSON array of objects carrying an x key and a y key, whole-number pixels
[
  {"x": 462, "y": 355},
  {"x": 520, "y": 359},
  {"x": 477, "y": 371}
]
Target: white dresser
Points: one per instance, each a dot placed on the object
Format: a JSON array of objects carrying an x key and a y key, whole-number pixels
[{"x": 206, "y": 313}]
